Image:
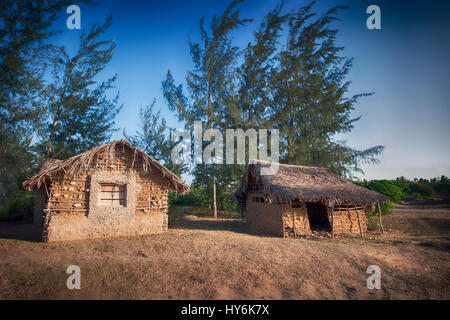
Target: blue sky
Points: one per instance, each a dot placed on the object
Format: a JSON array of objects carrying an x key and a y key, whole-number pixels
[{"x": 406, "y": 64}]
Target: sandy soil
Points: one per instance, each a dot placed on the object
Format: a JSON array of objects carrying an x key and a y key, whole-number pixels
[{"x": 201, "y": 258}]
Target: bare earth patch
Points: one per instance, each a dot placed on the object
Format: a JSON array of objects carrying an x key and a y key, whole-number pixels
[{"x": 204, "y": 258}]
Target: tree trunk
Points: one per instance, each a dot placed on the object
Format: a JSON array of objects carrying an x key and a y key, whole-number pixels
[
  {"x": 213, "y": 172},
  {"x": 214, "y": 204}
]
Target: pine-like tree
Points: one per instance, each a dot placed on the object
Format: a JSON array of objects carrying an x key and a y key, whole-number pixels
[
  {"x": 209, "y": 83},
  {"x": 255, "y": 72},
  {"x": 80, "y": 114},
  {"x": 24, "y": 28},
  {"x": 310, "y": 102},
  {"x": 152, "y": 138}
]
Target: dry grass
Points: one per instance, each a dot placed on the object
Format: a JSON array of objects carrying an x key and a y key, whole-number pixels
[{"x": 207, "y": 259}]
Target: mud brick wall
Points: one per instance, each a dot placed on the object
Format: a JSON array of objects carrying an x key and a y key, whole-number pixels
[
  {"x": 75, "y": 226},
  {"x": 288, "y": 221},
  {"x": 296, "y": 222},
  {"x": 67, "y": 210},
  {"x": 346, "y": 221},
  {"x": 264, "y": 217}
]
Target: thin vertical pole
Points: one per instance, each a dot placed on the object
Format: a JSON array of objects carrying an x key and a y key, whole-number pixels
[
  {"x": 359, "y": 222},
  {"x": 332, "y": 221},
  {"x": 293, "y": 222},
  {"x": 379, "y": 215}
]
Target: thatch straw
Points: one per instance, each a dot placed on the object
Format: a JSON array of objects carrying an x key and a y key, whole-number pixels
[
  {"x": 312, "y": 184},
  {"x": 89, "y": 159}
]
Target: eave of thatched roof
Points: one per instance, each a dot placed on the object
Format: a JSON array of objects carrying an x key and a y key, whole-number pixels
[
  {"x": 86, "y": 160},
  {"x": 313, "y": 184}
]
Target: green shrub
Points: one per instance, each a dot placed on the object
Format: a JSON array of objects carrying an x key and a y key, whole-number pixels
[
  {"x": 385, "y": 207},
  {"x": 226, "y": 203},
  {"x": 198, "y": 198},
  {"x": 174, "y": 215},
  {"x": 19, "y": 203},
  {"x": 443, "y": 187},
  {"x": 373, "y": 223},
  {"x": 386, "y": 187},
  {"x": 421, "y": 190},
  {"x": 403, "y": 184},
  {"x": 195, "y": 197},
  {"x": 372, "y": 216}
]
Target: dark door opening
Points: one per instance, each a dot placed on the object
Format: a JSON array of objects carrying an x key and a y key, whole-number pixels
[{"x": 318, "y": 217}]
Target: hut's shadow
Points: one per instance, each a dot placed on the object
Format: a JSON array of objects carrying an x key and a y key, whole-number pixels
[
  {"x": 232, "y": 225},
  {"x": 20, "y": 230},
  {"x": 26, "y": 231}
]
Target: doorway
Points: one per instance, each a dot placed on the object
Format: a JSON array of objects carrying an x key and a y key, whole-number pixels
[{"x": 318, "y": 217}]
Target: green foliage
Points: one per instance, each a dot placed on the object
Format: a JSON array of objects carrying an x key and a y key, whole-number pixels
[
  {"x": 310, "y": 103},
  {"x": 195, "y": 197},
  {"x": 25, "y": 28},
  {"x": 441, "y": 184},
  {"x": 372, "y": 216},
  {"x": 421, "y": 190},
  {"x": 175, "y": 214},
  {"x": 151, "y": 138},
  {"x": 373, "y": 223},
  {"x": 404, "y": 184},
  {"x": 16, "y": 160},
  {"x": 79, "y": 113},
  {"x": 255, "y": 73},
  {"x": 20, "y": 202},
  {"x": 386, "y": 187},
  {"x": 227, "y": 179},
  {"x": 200, "y": 198},
  {"x": 225, "y": 202},
  {"x": 386, "y": 208},
  {"x": 402, "y": 188},
  {"x": 298, "y": 86},
  {"x": 46, "y": 94},
  {"x": 211, "y": 88}
]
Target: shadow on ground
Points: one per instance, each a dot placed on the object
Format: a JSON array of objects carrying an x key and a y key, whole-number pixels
[
  {"x": 26, "y": 231},
  {"x": 20, "y": 230},
  {"x": 233, "y": 225}
]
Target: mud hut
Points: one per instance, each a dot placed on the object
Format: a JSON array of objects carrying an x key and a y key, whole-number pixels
[
  {"x": 300, "y": 199},
  {"x": 111, "y": 190}
]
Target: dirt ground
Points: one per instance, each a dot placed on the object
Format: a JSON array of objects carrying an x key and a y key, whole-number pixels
[{"x": 201, "y": 258}]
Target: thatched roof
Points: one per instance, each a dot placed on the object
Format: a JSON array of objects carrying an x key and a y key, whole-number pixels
[
  {"x": 88, "y": 159},
  {"x": 312, "y": 184}
]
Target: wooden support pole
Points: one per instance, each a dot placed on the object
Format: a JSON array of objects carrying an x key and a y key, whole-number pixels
[
  {"x": 293, "y": 222},
  {"x": 359, "y": 223},
  {"x": 379, "y": 215},
  {"x": 332, "y": 221}
]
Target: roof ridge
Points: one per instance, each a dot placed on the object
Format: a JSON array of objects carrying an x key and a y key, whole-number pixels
[
  {"x": 288, "y": 165},
  {"x": 82, "y": 159}
]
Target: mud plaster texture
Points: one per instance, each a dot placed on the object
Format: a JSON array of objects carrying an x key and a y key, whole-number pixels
[
  {"x": 97, "y": 212},
  {"x": 276, "y": 219},
  {"x": 73, "y": 212}
]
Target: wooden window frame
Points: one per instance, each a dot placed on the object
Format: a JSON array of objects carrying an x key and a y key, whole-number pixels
[
  {"x": 101, "y": 212},
  {"x": 117, "y": 197}
]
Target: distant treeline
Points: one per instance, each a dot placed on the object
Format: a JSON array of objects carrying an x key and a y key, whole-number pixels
[{"x": 402, "y": 188}]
